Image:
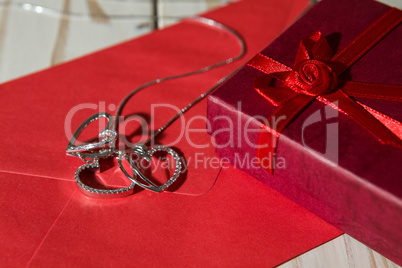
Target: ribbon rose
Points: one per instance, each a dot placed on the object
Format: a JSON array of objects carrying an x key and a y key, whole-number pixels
[{"x": 314, "y": 76}]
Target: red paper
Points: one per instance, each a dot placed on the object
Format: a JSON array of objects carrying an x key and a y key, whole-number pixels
[{"x": 211, "y": 216}]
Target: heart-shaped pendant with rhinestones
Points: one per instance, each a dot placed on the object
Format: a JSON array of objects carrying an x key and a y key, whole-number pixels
[
  {"x": 101, "y": 193},
  {"x": 146, "y": 153},
  {"x": 102, "y": 148}
]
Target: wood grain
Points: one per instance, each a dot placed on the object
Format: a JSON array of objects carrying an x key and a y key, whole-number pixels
[
  {"x": 343, "y": 251},
  {"x": 62, "y": 35}
]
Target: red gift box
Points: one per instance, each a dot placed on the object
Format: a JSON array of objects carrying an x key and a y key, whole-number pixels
[{"x": 325, "y": 160}]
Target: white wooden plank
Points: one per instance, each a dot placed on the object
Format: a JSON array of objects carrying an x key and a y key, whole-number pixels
[
  {"x": 26, "y": 43},
  {"x": 343, "y": 251}
]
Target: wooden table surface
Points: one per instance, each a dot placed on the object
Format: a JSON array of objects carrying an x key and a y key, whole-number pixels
[{"x": 35, "y": 35}]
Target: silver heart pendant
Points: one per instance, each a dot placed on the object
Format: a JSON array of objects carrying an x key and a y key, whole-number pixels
[
  {"x": 91, "y": 152},
  {"x": 101, "y": 193},
  {"x": 147, "y": 153},
  {"x": 102, "y": 148}
]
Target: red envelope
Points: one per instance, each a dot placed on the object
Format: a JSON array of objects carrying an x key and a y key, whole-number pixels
[{"x": 212, "y": 215}]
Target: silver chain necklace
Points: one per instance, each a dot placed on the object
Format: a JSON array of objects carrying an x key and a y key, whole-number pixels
[{"x": 90, "y": 153}]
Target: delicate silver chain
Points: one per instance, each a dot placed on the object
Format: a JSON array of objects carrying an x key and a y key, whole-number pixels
[
  {"x": 203, "y": 20},
  {"x": 206, "y": 21},
  {"x": 41, "y": 9},
  {"x": 106, "y": 147}
]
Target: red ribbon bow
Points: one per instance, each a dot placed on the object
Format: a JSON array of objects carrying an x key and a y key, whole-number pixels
[{"x": 314, "y": 76}]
